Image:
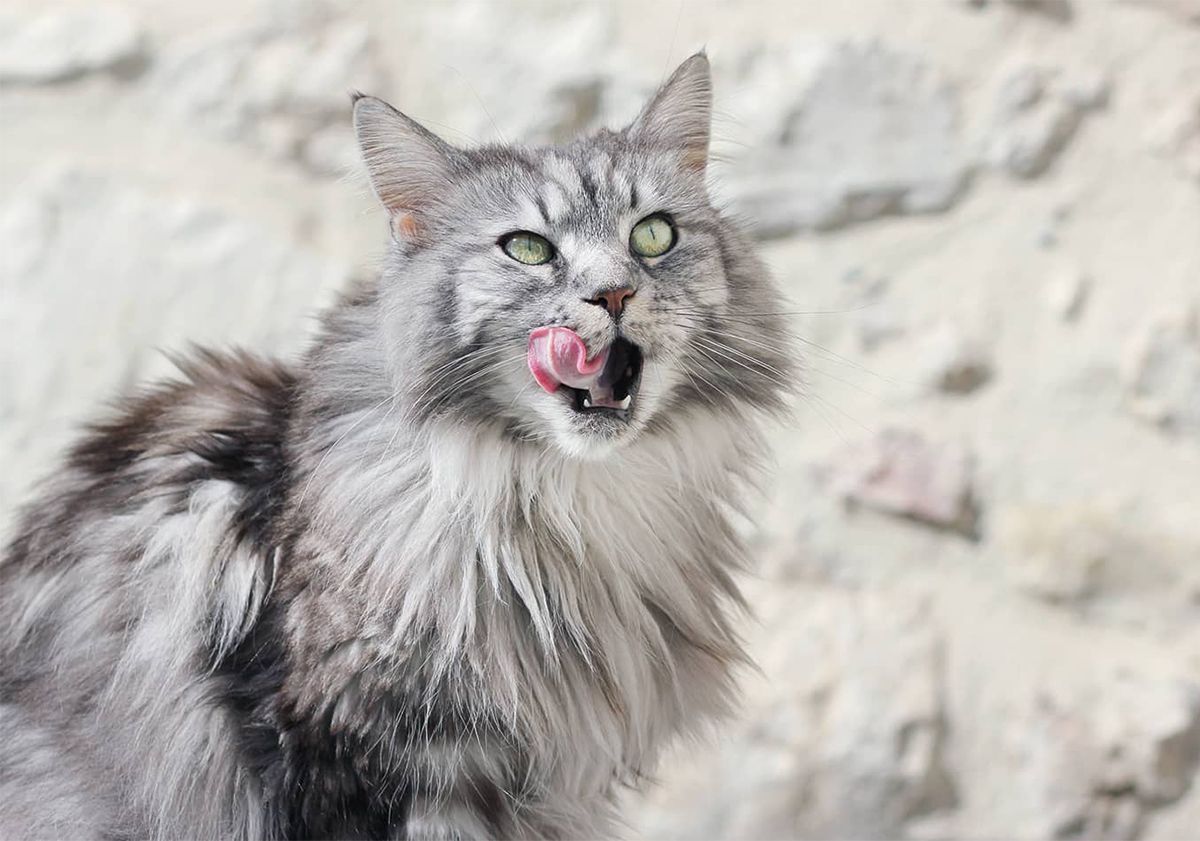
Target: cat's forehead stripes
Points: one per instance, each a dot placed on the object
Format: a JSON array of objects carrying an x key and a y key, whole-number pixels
[
  {"x": 621, "y": 184},
  {"x": 584, "y": 188},
  {"x": 602, "y": 170},
  {"x": 554, "y": 202},
  {"x": 594, "y": 188},
  {"x": 562, "y": 171},
  {"x": 532, "y": 213}
]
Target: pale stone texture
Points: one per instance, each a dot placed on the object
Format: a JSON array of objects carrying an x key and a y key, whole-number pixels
[
  {"x": 499, "y": 59},
  {"x": 845, "y": 734},
  {"x": 1163, "y": 373},
  {"x": 119, "y": 276},
  {"x": 986, "y": 218},
  {"x": 1055, "y": 554},
  {"x": 281, "y": 85},
  {"x": 58, "y": 45},
  {"x": 845, "y": 133},
  {"x": 1038, "y": 111},
  {"x": 949, "y": 360},
  {"x": 1176, "y": 134},
  {"x": 1187, "y": 10},
  {"x": 1067, "y": 292}
]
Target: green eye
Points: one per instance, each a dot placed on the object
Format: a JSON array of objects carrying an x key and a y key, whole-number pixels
[
  {"x": 527, "y": 248},
  {"x": 653, "y": 236}
]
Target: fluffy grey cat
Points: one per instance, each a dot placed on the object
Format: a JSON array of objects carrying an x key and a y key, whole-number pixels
[{"x": 462, "y": 571}]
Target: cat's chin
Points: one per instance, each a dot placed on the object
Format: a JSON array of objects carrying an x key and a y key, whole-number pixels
[
  {"x": 593, "y": 435},
  {"x": 591, "y": 447},
  {"x": 590, "y": 435}
]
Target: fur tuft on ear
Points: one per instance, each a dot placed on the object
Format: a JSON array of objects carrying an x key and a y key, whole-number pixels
[
  {"x": 679, "y": 115},
  {"x": 409, "y": 166}
]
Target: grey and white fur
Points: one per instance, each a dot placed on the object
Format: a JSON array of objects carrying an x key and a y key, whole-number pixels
[{"x": 394, "y": 589}]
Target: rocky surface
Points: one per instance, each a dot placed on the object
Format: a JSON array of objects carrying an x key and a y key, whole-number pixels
[
  {"x": 563, "y": 57},
  {"x": 280, "y": 86},
  {"x": 1053, "y": 553},
  {"x": 94, "y": 264},
  {"x": 1163, "y": 373},
  {"x": 978, "y": 587},
  {"x": 1185, "y": 10},
  {"x": 1038, "y": 109},
  {"x": 56, "y": 45},
  {"x": 899, "y": 472},
  {"x": 1176, "y": 134},
  {"x": 951, "y": 360},
  {"x": 1067, "y": 292},
  {"x": 812, "y": 760},
  {"x": 845, "y": 133}
]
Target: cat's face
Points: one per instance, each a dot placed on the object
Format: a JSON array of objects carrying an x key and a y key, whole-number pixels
[
  {"x": 612, "y": 238},
  {"x": 547, "y": 238}
]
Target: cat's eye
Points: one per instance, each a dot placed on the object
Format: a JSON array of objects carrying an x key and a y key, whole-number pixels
[
  {"x": 654, "y": 236},
  {"x": 527, "y": 247}
]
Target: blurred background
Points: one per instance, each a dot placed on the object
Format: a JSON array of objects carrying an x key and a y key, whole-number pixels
[{"x": 979, "y": 591}]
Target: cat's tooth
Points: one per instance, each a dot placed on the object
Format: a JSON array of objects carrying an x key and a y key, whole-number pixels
[
  {"x": 587, "y": 401},
  {"x": 627, "y": 402}
]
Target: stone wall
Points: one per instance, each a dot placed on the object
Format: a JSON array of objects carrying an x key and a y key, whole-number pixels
[{"x": 979, "y": 593}]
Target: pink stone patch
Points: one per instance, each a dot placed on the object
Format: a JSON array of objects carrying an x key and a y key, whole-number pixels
[{"x": 900, "y": 472}]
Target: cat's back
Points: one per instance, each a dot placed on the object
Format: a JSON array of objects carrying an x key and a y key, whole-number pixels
[{"x": 144, "y": 558}]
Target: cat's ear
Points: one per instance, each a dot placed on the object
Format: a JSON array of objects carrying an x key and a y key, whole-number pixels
[
  {"x": 409, "y": 166},
  {"x": 679, "y": 116}
]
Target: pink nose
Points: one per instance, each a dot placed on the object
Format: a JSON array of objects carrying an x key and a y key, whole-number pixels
[{"x": 612, "y": 300}]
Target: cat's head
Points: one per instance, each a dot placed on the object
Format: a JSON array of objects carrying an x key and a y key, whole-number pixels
[{"x": 612, "y": 237}]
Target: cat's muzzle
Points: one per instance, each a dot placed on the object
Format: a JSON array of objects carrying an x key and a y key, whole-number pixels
[{"x": 606, "y": 383}]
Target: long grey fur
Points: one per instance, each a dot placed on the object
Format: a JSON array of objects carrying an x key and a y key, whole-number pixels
[{"x": 393, "y": 589}]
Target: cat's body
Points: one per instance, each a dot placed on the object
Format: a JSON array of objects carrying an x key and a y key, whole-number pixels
[{"x": 360, "y": 597}]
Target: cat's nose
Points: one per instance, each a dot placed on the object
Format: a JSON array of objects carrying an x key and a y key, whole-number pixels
[{"x": 612, "y": 300}]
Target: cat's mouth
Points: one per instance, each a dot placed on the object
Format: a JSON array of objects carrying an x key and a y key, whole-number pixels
[
  {"x": 606, "y": 383},
  {"x": 615, "y": 389}
]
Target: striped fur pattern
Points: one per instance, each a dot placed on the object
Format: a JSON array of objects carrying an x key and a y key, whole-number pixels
[{"x": 394, "y": 590}]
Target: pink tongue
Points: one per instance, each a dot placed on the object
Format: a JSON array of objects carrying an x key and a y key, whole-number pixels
[{"x": 557, "y": 356}]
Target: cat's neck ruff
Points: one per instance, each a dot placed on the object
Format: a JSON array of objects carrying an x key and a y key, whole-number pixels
[
  {"x": 392, "y": 497},
  {"x": 522, "y": 557}
]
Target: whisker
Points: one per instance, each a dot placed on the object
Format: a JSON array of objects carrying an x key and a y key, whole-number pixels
[
  {"x": 471, "y": 377},
  {"x": 831, "y": 355},
  {"x": 810, "y": 395},
  {"x": 816, "y": 407},
  {"x": 837, "y": 357},
  {"x": 706, "y": 395},
  {"x": 782, "y": 349},
  {"x": 746, "y": 314},
  {"x": 719, "y": 344},
  {"x": 440, "y": 373},
  {"x": 720, "y": 359},
  {"x": 775, "y": 380},
  {"x": 446, "y": 368},
  {"x": 520, "y": 393},
  {"x": 339, "y": 440}
]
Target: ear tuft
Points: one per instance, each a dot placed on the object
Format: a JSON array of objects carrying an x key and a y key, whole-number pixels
[
  {"x": 679, "y": 116},
  {"x": 409, "y": 166}
]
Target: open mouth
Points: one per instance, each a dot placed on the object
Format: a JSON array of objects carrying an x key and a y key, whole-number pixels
[
  {"x": 603, "y": 384},
  {"x": 615, "y": 389}
]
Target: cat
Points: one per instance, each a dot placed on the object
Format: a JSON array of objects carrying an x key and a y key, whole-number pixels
[{"x": 439, "y": 578}]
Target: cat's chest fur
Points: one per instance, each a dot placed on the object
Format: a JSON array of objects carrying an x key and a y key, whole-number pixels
[{"x": 550, "y": 624}]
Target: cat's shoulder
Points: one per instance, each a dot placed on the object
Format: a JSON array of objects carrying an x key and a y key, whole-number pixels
[
  {"x": 214, "y": 435},
  {"x": 224, "y": 409}
]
